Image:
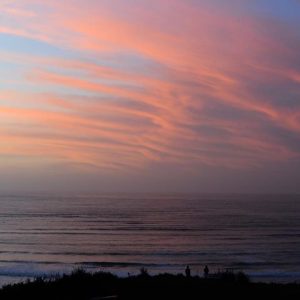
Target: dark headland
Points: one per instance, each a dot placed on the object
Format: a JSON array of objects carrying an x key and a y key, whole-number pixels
[{"x": 101, "y": 285}]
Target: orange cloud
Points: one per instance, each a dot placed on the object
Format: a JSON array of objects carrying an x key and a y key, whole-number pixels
[{"x": 196, "y": 86}]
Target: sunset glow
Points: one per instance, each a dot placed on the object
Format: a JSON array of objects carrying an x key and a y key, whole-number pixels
[{"x": 130, "y": 91}]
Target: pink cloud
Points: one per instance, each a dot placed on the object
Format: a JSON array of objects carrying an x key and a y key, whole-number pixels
[{"x": 192, "y": 62}]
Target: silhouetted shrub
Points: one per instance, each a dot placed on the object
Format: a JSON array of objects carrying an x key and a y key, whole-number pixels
[
  {"x": 144, "y": 272},
  {"x": 241, "y": 277},
  {"x": 81, "y": 285}
]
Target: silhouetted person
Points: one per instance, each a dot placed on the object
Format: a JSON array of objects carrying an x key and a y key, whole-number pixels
[
  {"x": 188, "y": 272},
  {"x": 206, "y": 271}
]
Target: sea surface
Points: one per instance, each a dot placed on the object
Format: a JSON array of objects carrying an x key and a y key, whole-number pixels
[{"x": 46, "y": 234}]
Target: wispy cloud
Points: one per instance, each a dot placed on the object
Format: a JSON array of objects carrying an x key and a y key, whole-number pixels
[{"x": 158, "y": 81}]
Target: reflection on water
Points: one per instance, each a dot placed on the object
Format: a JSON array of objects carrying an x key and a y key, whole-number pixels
[{"x": 47, "y": 234}]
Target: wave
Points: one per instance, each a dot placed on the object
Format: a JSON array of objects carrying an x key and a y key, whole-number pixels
[
  {"x": 264, "y": 264},
  {"x": 275, "y": 275},
  {"x": 157, "y": 253},
  {"x": 134, "y": 253},
  {"x": 125, "y": 264},
  {"x": 31, "y": 262}
]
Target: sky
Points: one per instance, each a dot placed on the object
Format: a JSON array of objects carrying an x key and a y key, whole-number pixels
[{"x": 150, "y": 96}]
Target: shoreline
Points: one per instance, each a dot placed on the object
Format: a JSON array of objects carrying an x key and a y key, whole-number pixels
[{"x": 13, "y": 276}]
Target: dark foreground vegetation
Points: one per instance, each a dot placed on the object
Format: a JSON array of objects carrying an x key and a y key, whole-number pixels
[{"x": 96, "y": 286}]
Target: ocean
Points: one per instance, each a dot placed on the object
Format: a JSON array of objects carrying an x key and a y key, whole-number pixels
[{"x": 43, "y": 235}]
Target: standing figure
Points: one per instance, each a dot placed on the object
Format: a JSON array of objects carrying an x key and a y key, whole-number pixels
[
  {"x": 188, "y": 272},
  {"x": 206, "y": 271}
]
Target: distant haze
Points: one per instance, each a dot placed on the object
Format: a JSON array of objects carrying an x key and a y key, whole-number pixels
[{"x": 150, "y": 96}]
